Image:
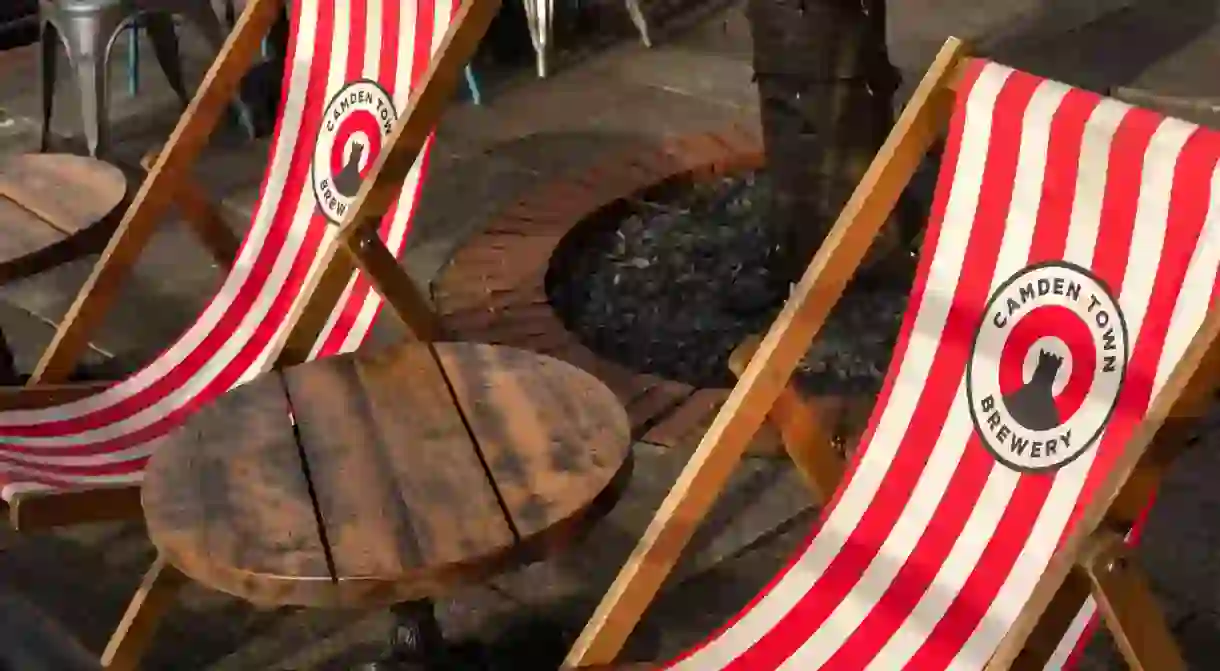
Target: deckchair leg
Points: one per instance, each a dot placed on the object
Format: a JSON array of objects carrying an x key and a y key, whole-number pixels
[
  {"x": 135, "y": 631},
  {"x": 761, "y": 384},
  {"x": 807, "y": 442},
  {"x": 1128, "y": 606},
  {"x": 202, "y": 216},
  {"x": 1054, "y": 623},
  {"x": 207, "y": 224}
]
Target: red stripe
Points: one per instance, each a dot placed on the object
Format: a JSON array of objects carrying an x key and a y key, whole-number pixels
[
  {"x": 948, "y": 167},
  {"x": 965, "y": 487},
  {"x": 355, "y": 70},
  {"x": 420, "y": 60},
  {"x": 350, "y": 310},
  {"x": 1190, "y": 200},
  {"x": 282, "y": 222},
  {"x": 917, "y": 444},
  {"x": 1192, "y": 192},
  {"x": 995, "y": 564}
]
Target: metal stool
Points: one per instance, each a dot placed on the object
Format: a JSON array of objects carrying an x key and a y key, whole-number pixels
[
  {"x": 87, "y": 29},
  {"x": 540, "y": 14}
]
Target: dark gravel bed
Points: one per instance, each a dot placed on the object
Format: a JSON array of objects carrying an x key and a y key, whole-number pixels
[{"x": 671, "y": 282}]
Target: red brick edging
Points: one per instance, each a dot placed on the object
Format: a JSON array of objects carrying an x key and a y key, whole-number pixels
[{"x": 494, "y": 288}]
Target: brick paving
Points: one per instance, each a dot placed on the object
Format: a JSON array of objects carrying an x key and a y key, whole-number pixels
[
  {"x": 494, "y": 288},
  {"x": 532, "y": 133}
]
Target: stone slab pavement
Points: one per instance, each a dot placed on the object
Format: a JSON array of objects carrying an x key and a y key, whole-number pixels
[{"x": 697, "y": 78}]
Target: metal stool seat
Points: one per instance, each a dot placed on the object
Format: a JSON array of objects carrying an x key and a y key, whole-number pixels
[{"x": 87, "y": 29}]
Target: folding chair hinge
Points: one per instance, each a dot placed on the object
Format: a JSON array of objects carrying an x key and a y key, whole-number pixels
[{"x": 1104, "y": 550}]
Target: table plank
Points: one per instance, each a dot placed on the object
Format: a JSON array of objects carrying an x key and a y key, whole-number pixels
[
  {"x": 354, "y": 480},
  {"x": 21, "y": 233},
  {"x": 69, "y": 193},
  {"x": 404, "y": 499},
  {"x": 55, "y": 208},
  {"x": 552, "y": 435},
  {"x": 226, "y": 500}
]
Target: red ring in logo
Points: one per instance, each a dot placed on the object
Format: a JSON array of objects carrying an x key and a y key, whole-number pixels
[
  {"x": 1065, "y": 325},
  {"x": 358, "y": 121}
]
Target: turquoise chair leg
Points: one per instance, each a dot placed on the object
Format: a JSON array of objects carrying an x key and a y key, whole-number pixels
[
  {"x": 472, "y": 85},
  {"x": 133, "y": 59}
]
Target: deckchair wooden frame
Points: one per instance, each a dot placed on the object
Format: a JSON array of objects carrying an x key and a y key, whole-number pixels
[
  {"x": 169, "y": 183},
  {"x": 1094, "y": 560},
  {"x": 357, "y": 246}
]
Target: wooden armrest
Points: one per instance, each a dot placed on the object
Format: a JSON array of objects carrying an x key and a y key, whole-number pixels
[{"x": 48, "y": 509}]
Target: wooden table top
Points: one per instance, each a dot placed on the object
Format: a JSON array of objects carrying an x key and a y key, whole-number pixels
[
  {"x": 383, "y": 492},
  {"x": 55, "y": 208}
]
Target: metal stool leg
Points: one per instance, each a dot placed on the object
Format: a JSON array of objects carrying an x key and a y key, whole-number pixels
[
  {"x": 94, "y": 99},
  {"x": 48, "y": 63},
  {"x": 472, "y": 85},
  {"x": 533, "y": 20},
  {"x": 641, "y": 24},
  {"x": 133, "y": 59},
  {"x": 88, "y": 38}
]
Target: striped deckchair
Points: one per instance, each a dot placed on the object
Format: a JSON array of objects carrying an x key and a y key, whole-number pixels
[
  {"x": 365, "y": 82},
  {"x": 1060, "y": 321}
]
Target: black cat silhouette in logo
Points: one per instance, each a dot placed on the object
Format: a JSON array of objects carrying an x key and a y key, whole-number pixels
[
  {"x": 347, "y": 181},
  {"x": 352, "y": 132},
  {"x": 1033, "y": 405}
]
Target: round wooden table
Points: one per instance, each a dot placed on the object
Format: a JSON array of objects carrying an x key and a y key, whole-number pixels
[
  {"x": 55, "y": 208},
  {"x": 378, "y": 478}
]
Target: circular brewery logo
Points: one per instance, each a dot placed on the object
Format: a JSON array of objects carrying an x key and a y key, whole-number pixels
[
  {"x": 354, "y": 127},
  {"x": 1047, "y": 366}
]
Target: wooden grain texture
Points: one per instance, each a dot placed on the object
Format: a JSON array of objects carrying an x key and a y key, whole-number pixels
[
  {"x": 226, "y": 500},
  {"x": 552, "y": 435},
  {"x": 54, "y": 208},
  {"x": 354, "y": 480},
  {"x": 403, "y": 496}
]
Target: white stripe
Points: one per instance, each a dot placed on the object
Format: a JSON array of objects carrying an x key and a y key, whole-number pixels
[
  {"x": 1063, "y": 652},
  {"x": 374, "y": 18},
  {"x": 370, "y": 70},
  {"x": 1091, "y": 181},
  {"x": 959, "y": 428},
  {"x": 1188, "y": 315},
  {"x": 268, "y": 205},
  {"x": 1148, "y": 239},
  {"x": 400, "y": 226},
  {"x": 250, "y": 321},
  {"x": 908, "y": 386},
  {"x": 1001, "y": 481}
]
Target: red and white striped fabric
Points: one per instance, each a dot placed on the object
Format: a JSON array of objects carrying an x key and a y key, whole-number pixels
[
  {"x": 334, "y": 43},
  {"x": 932, "y": 545}
]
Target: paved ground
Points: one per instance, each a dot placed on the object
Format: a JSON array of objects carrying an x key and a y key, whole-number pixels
[{"x": 697, "y": 79}]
